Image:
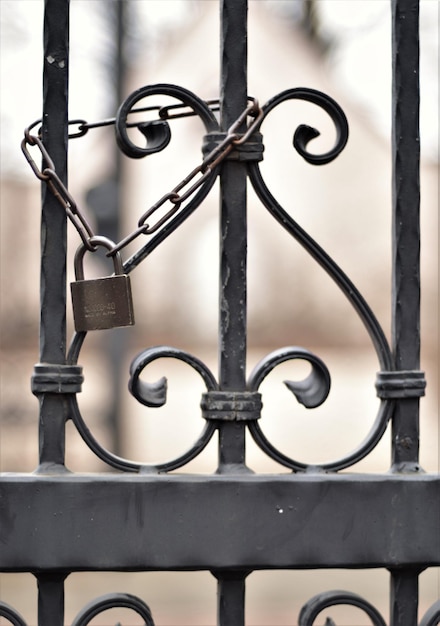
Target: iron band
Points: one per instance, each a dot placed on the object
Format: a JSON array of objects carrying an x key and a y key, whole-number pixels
[
  {"x": 401, "y": 384},
  {"x": 250, "y": 150},
  {"x": 56, "y": 378},
  {"x": 231, "y": 406}
]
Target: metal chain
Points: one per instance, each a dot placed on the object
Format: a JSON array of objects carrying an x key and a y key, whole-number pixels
[
  {"x": 179, "y": 194},
  {"x": 162, "y": 111},
  {"x": 56, "y": 185}
]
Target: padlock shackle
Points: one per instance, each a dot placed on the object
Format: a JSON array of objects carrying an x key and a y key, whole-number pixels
[{"x": 96, "y": 241}]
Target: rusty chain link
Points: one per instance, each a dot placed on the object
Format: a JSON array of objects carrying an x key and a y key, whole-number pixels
[
  {"x": 56, "y": 185},
  {"x": 175, "y": 197}
]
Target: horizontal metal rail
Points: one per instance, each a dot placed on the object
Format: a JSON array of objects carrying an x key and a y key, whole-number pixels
[{"x": 171, "y": 522}]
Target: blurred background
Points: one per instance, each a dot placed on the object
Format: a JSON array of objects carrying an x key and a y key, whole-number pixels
[{"x": 339, "y": 47}]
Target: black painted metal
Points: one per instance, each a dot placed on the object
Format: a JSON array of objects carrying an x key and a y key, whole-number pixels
[
  {"x": 228, "y": 522},
  {"x": 233, "y": 522},
  {"x": 406, "y": 268},
  {"x": 54, "y": 227}
]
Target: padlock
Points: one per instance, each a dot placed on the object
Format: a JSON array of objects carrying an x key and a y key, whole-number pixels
[{"x": 101, "y": 303}]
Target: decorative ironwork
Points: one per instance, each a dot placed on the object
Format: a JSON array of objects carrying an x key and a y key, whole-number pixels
[
  {"x": 322, "y": 601},
  {"x": 152, "y": 395},
  {"x": 160, "y": 139},
  {"x": 11, "y": 614},
  {"x": 222, "y": 537},
  {"x": 114, "y": 601},
  {"x": 311, "y": 392},
  {"x": 432, "y": 615},
  {"x": 158, "y": 135}
]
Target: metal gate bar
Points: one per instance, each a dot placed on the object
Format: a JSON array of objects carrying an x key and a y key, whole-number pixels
[
  {"x": 406, "y": 227},
  {"x": 224, "y": 523},
  {"x": 233, "y": 231},
  {"x": 54, "y": 229},
  {"x": 53, "y": 406},
  {"x": 406, "y": 269}
]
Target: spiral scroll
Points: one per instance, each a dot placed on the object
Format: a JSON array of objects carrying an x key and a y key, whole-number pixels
[
  {"x": 322, "y": 601},
  {"x": 432, "y": 615},
  {"x": 149, "y": 394},
  {"x": 311, "y": 392},
  {"x": 11, "y": 614},
  {"x": 302, "y": 136},
  {"x": 113, "y": 601},
  {"x": 158, "y": 135}
]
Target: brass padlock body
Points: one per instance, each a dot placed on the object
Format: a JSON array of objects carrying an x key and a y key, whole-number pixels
[{"x": 101, "y": 303}]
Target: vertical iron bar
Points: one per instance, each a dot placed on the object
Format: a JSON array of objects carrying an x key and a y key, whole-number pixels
[
  {"x": 54, "y": 222},
  {"x": 54, "y": 226},
  {"x": 117, "y": 343},
  {"x": 404, "y": 597},
  {"x": 53, "y": 271},
  {"x": 406, "y": 224},
  {"x": 231, "y": 599},
  {"x": 51, "y": 599},
  {"x": 233, "y": 231},
  {"x": 233, "y": 268},
  {"x": 406, "y": 267}
]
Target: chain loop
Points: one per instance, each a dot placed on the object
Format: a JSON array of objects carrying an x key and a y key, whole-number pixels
[{"x": 175, "y": 197}]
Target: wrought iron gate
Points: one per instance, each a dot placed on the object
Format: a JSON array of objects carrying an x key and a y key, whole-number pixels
[{"x": 54, "y": 522}]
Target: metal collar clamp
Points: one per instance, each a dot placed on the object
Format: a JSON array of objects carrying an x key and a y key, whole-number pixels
[
  {"x": 401, "y": 384},
  {"x": 231, "y": 406},
  {"x": 250, "y": 150},
  {"x": 56, "y": 378}
]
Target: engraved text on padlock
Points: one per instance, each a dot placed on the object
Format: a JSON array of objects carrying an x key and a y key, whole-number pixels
[{"x": 101, "y": 303}]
